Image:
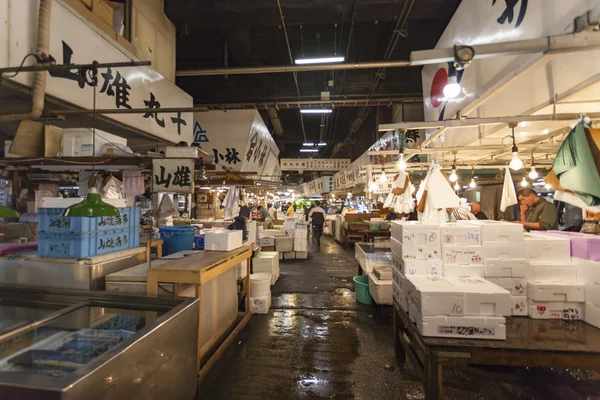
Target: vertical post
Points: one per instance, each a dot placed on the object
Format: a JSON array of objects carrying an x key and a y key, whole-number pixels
[
  {"x": 433, "y": 377},
  {"x": 247, "y": 282},
  {"x": 369, "y": 181},
  {"x": 199, "y": 297}
]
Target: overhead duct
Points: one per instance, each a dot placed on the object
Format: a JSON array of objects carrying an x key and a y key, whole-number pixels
[{"x": 274, "y": 118}]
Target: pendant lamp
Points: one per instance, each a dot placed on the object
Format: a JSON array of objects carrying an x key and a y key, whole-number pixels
[{"x": 92, "y": 205}]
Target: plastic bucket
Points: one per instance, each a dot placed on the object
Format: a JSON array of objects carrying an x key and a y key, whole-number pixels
[
  {"x": 177, "y": 238},
  {"x": 361, "y": 287},
  {"x": 260, "y": 285}
]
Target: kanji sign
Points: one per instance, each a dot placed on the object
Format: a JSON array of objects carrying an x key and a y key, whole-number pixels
[{"x": 173, "y": 175}]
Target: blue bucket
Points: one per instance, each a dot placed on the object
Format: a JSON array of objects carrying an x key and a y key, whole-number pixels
[{"x": 177, "y": 238}]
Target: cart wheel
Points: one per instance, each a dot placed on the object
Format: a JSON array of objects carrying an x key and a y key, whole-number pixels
[{"x": 400, "y": 353}]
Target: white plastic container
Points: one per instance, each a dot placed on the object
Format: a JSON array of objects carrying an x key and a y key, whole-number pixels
[
  {"x": 463, "y": 271},
  {"x": 260, "y": 305},
  {"x": 556, "y": 310},
  {"x": 516, "y": 286},
  {"x": 462, "y": 255},
  {"x": 542, "y": 272},
  {"x": 563, "y": 292},
  {"x": 416, "y": 232},
  {"x": 421, "y": 267},
  {"x": 77, "y": 142},
  {"x": 380, "y": 290},
  {"x": 284, "y": 244},
  {"x": 260, "y": 284},
  {"x": 548, "y": 249},
  {"x": 470, "y": 327},
  {"x": 505, "y": 268},
  {"x": 519, "y": 306},
  {"x": 460, "y": 234},
  {"x": 222, "y": 240},
  {"x": 504, "y": 251},
  {"x": 592, "y": 314},
  {"x": 300, "y": 243}
]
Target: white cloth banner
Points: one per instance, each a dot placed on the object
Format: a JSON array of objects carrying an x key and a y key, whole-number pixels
[{"x": 509, "y": 196}]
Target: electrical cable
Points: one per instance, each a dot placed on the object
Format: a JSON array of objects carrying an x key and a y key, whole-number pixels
[{"x": 21, "y": 66}]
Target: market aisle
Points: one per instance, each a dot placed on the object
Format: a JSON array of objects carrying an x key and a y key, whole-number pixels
[{"x": 318, "y": 343}]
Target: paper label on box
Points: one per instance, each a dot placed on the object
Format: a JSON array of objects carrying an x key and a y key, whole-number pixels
[{"x": 466, "y": 331}]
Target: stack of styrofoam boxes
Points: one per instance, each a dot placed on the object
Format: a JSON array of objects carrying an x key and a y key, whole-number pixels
[
  {"x": 301, "y": 241},
  {"x": 285, "y": 246},
  {"x": 266, "y": 262},
  {"x": 416, "y": 250},
  {"x": 458, "y": 307},
  {"x": 585, "y": 249},
  {"x": 380, "y": 284},
  {"x": 504, "y": 260},
  {"x": 554, "y": 292},
  {"x": 462, "y": 253}
]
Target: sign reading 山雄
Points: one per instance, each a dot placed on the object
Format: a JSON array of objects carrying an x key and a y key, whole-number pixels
[{"x": 173, "y": 175}]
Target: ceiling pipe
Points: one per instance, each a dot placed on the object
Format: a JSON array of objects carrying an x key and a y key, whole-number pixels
[
  {"x": 39, "y": 81},
  {"x": 274, "y": 117},
  {"x": 292, "y": 68}
]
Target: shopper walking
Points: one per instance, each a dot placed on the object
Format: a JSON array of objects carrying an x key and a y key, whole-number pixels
[{"x": 317, "y": 218}]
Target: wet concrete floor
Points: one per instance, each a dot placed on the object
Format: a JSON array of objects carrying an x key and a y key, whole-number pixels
[{"x": 318, "y": 343}]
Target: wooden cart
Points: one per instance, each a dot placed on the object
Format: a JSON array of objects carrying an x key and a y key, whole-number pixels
[
  {"x": 199, "y": 269},
  {"x": 529, "y": 343}
]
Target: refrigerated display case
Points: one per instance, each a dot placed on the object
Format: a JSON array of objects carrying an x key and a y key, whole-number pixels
[{"x": 93, "y": 345}]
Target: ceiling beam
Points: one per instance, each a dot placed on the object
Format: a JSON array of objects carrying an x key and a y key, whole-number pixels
[{"x": 294, "y": 104}]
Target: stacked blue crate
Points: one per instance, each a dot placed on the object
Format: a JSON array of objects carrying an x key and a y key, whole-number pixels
[{"x": 81, "y": 237}]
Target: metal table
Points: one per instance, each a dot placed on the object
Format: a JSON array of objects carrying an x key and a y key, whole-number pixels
[{"x": 529, "y": 343}]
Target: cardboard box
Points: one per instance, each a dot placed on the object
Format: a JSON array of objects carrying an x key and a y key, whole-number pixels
[
  {"x": 592, "y": 293},
  {"x": 541, "y": 272},
  {"x": 289, "y": 255},
  {"x": 463, "y": 271},
  {"x": 462, "y": 255},
  {"x": 301, "y": 255},
  {"x": 222, "y": 240},
  {"x": 469, "y": 327},
  {"x": 548, "y": 249},
  {"x": 556, "y": 310},
  {"x": 504, "y": 251},
  {"x": 284, "y": 244},
  {"x": 519, "y": 306},
  {"x": 267, "y": 241},
  {"x": 434, "y": 296},
  {"x": 592, "y": 314},
  {"x": 460, "y": 234},
  {"x": 505, "y": 268},
  {"x": 415, "y": 232},
  {"x": 399, "y": 297},
  {"x": 516, "y": 286},
  {"x": 562, "y": 292},
  {"x": 103, "y": 9},
  {"x": 267, "y": 248},
  {"x": 497, "y": 231}
]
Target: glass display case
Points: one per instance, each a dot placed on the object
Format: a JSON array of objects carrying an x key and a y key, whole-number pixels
[{"x": 70, "y": 345}]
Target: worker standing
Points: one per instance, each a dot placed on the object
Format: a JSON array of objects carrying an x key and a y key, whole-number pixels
[
  {"x": 290, "y": 210},
  {"x": 317, "y": 217},
  {"x": 265, "y": 217},
  {"x": 272, "y": 211},
  {"x": 476, "y": 210},
  {"x": 536, "y": 212}
]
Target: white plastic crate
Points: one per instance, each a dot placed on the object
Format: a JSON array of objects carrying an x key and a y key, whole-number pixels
[
  {"x": 562, "y": 292},
  {"x": 381, "y": 290}
]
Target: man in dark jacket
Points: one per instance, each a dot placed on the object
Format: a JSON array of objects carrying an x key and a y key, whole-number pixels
[{"x": 317, "y": 218}]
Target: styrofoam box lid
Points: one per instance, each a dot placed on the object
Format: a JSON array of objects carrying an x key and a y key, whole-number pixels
[
  {"x": 457, "y": 321},
  {"x": 492, "y": 229},
  {"x": 59, "y": 202},
  {"x": 507, "y": 250},
  {"x": 433, "y": 284},
  {"x": 513, "y": 285},
  {"x": 551, "y": 288},
  {"x": 267, "y": 254},
  {"x": 453, "y": 228},
  {"x": 222, "y": 233},
  {"x": 382, "y": 282},
  {"x": 538, "y": 237}
]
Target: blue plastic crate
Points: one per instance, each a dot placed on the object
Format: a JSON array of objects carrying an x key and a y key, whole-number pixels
[
  {"x": 199, "y": 242},
  {"x": 88, "y": 244},
  {"x": 50, "y": 221}
]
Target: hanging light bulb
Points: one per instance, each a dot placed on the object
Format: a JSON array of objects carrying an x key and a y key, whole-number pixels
[
  {"x": 401, "y": 166},
  {"x": 548, "y": 187},
  {"x": 456, "y": 186},
  {"x": 533, "y": 175},
  {"x": 524, "y": 182},
  {"x": 453, "y": 176},
  {"x": 452, "y": 88},
  {"x": 374, "y": 186},
  {"x": 516, "y": 163},
  {"x": 472, "y": 185},
  {"x": 383, "y": 177}
]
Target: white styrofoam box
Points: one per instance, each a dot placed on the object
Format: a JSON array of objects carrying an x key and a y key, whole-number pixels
[
  {"x": 495, "y": 268},
  {"x": 565, "y": 292},
  {"x": 182, "y": 152},
  {"x": 592, "y": 314},
  {"x": 271, "y": 233},
  {"x": 222, "y": 240},
  {"x": 542, "y": 272},
  {"x": 398, "y": 278},
  {"x": 242, "y": 271},
  {"x": 592, "y": 293},
  {"x": 498, "y": 231},
  {"x": 260, "y": 304},
  {"x": 587, "y": 270},
  {"x": 251, "y": 228},
  {"x": 504, "y": 251},
  {"x": 289, "y": 225},
  {"x": 434, "y": 295},
  {"x": 290, "y": 255},
  {"x": 300, "y": 243},
  {"x": 516, "y": 286},
  {"x": 77, "y": 142},
  {"x": 463, "y": 271},
  {"x": 519, "y": 306},
  {"x": 399, "y": 296},
  {"x": 301, "y": 255},
  {"x": 381, "y": 290},
  {"x": 460, "y": 234},
  {"x": 383, "y": 272},
  {"x": 260, "y": 284},
  {"x": 284, "y": 244},
  {"x": 290, "y": 219},
  {"x": 266, "y": 241},
  {"x": 469, "y": 327},
  {"x": 280, "y": 256},
  {"x": 550, "y": 249},
  {"x": 267, "y": 262},
  {"x": 302, "y": 226},
  {"x": 421, "y": 252},
  {"x": 416, "y": 232},
  {"x": 462, "y": 255},
  {"x": 421, "y": 267},
  {"x": 396, "y": 246},
  {"x": 556, "y": 310}
]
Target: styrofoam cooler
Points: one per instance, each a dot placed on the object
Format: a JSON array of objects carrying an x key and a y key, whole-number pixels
[
  {"x": 587, "y": 271},
  {"x": 592, "y": 293},
  {"x": 592, "y": 314},
  {"x": 284, "y": 244},
  {"x": 399, "y": 296},
  {"x": 267, "y": 262},
  {"x": 421, "y": 267},
  {"x": 556, "y": 310},
  {"x": 415, "y": 232},
  {"x": 494, "y": 268},
  {"x": 561, "y": 292},
  {"x": 223, "y": 240},
  {"x": 548, "y": 249},
  {"x": 519, "y": 306},
  {"x": 260, "y": 305},
  {"x": 516, "y": 286},
  {"x": 463, "y": 271},
  {"x": 498, "y": 231},
  {"x": 460, "y": 234},
  {"x": 260, "y": 284},
  {"x": 468, "y": 327},
  {"x": 543, "y": 272},
  {"x": 84, "y": 245},
  {"x": 504, "y": 251},
  {"x": 381, "y": 290}
]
